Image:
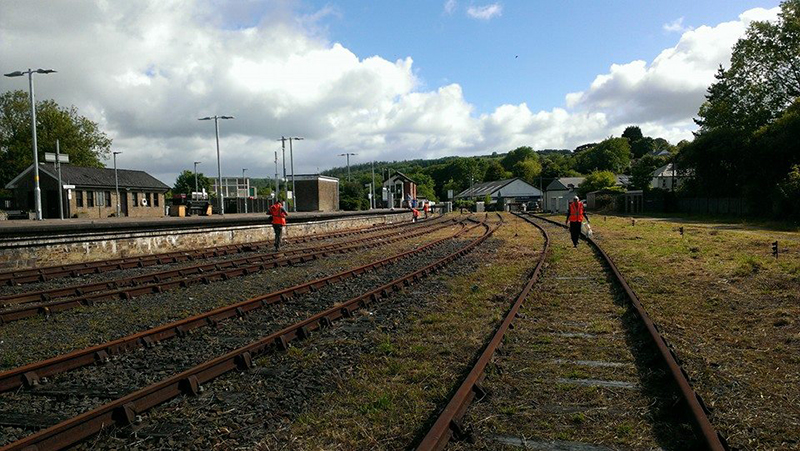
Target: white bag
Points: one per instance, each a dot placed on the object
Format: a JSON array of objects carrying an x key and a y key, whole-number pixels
[{"x": 586, "y": 229}]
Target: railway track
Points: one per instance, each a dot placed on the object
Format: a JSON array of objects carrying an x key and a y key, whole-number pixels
[
  {"x": 588, "y": 366},
  {"x": 53, "y": 300},
  {"x": 263, "y": 328},
  {"x": 44, "y": 274}
]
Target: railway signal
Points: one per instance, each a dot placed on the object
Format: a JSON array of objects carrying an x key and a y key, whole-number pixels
[{"x": 775, "y": 249}]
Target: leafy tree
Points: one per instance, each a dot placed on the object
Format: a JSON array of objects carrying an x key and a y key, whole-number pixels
[
  {"x": 764, "y": 76},
  {"x": 353, "y": 196},
  {"x": 495, "y": 171},
  {"x": 528, "y": 170},
  {"x": 642, "y": 146},
  {"x": 633, "y": 133},
  {"x": 612, "y": 154},
  {"x": 79, "y": 137},
  {"x": 789, "y": 189},
  {"x": 596, "y": 181},
  {"x": 515, "y": 156},
  {"x": 184, "y": 184},
  {"x": 642, "y": 171}
]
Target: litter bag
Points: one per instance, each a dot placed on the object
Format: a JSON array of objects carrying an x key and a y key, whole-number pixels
[{"x": 586, "y": 229}]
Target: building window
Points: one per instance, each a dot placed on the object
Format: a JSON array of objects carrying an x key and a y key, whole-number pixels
[
  {"x": 135, "y": 199},
  {"x": 155, "y": 199},
  {"x": 149, "y": 200},
  {"x": 101, "y": 198},
  {"x": 90, "y": 199},
  {"x": 108, "y": 198},
  {"x": 79, "y": 198}
]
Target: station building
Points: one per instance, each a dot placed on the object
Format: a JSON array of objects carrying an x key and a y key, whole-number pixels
[
  {"x": 316, "y": 192},
  {"x": 399, "y": 191},
  {"x": 505, "y": 191},
  {"x": 90, "y": 192}
]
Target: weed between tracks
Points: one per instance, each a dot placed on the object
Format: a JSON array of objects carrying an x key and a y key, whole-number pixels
[
  {"x": 730, "y": 309},
  {"x": 407, "y": 375}
]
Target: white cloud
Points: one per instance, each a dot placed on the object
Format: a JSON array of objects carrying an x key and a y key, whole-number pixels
[
  {"x": 147, "y": 71},
  {"x": 485, "y": 12},
  {"x": 450, "y": 6},
  {"x": 676, "y": 26},
  {"x": 667, "y": 92}
]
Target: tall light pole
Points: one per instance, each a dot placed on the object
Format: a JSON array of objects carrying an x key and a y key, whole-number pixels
[
  {"x": 196, "y": 186},
  {"x": 220, "y": 195},
  {"x": 374, "y": 203},
  {"x": 277, "y": 187},
  {"x": 37, "y": 192},
  {"x": 247, "y": 191},
  {"x": 348, "y": 162},
  {"x": 116, "y": 182},
  {"x": 291, "y": 160},
  {"x": 283, "y": 158}
]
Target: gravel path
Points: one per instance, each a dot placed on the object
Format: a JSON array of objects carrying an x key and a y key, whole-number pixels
[
  {"x": 238, "y": 410},
  {"x": 142, "y": 368},
  {"x": 38, "y": 337},
  {"x": 576, "y": 370}
]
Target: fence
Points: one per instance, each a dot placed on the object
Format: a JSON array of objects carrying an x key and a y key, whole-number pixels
[{"x": 714, "y": 206}]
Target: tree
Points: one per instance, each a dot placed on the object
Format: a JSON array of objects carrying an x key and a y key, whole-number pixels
[
  {"x": 642, "y": 146},
  {"x": 184, "y": 184},
  {"x": 613, "y": 154},
  {"x": 353, "y": 196},
  {"x": 642, "y": 171},
  {"x": 596, "y": 181},
  {"x": 764, "y": 76},
  {"x": 515, "y": 156},
  {"x": 79, "y": 137},
  {"x": 528, "y": 170},
  {"x": 495, "y": 171},
  {"x": 632, "y": 133}
]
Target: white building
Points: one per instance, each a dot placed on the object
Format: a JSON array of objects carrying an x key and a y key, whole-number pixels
[
  {"x": 667, "y": 178},
  {"x": 508, "y": 190}
]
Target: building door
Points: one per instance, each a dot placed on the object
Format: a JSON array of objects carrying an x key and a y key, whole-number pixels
[
  {"x": 50, "y": 207},
  {"x": 123, "y": 203}
]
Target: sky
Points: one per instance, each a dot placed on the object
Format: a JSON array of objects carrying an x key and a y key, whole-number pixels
[{"x": 387, "y": 80}]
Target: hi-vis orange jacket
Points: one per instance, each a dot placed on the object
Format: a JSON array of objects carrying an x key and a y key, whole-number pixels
[
  {"x": 576, "y": 211},
  {"x": 278, "y": 214}
]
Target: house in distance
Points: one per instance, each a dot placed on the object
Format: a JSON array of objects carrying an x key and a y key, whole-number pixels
[{"x": 90, "y": 192}]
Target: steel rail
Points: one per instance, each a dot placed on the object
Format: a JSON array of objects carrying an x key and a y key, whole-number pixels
[
  {"x": 697, "y": 408},
  {"x": 448, "y": 421},
  {"x": 124, "y": 410},
  {"x": 162, "y": 276},
  {"x": 251, "y": 265},
  {"x": 43, "y": 274},
  {"x": 30, "y": 375}
]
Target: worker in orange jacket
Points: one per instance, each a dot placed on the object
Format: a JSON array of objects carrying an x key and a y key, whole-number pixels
[
  {"x": 414, "y": 214},
  {"x": 575, "y": 217},
  {"x": 279, "y": 215},
  {"x": 426, "y": 208}
]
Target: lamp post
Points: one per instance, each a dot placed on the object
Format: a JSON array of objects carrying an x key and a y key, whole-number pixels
[
  {"x": 283, "y": 157},
  {"x": 219, "y": 166},
  {"x": 196, "y": 186},
  {"x": 247, "y": 191},
  {"x": 116, "y": 182},
  {"x": 291, "y": 164},
  {"x": 348, "y": 162},
  {"x": 372, "y": 188},
  {"x": 277, "y": 187},
  {"x": 37, "y": 192}
]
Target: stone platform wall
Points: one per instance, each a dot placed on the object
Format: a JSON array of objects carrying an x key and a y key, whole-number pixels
[{"x": 65, "y": 249}]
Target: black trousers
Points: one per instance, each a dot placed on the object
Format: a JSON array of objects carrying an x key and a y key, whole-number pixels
[
  {"x": 575, "y": 231},
  {"x": 278, "y": 228}
]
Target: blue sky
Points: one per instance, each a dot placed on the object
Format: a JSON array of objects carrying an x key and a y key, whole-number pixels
[
  {"x": 388, "y": 80},
  {"x": 562, "y": 45}
]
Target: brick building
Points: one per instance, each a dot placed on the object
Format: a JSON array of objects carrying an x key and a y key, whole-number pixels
[
  {"x": 317, "y": 192},
  {"x": 94, "y": 193}
]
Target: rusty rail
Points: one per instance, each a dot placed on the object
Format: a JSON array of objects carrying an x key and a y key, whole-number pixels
[
  {"x": 46, "y": 273},
  {"x": 197, "y": 275},
  {"x": 697, "y": 408},
  {"x": 123, "y": 411},
  {"x": 448, "y": 421},
  {"x": 29, "y": 375}
]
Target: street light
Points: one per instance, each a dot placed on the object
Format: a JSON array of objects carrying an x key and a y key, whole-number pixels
[
  {"x": 348, "y": 162},
  {"x": 247, "y": 191},
  {"x": 37, "y": 192},
  {"x": 291, "y": 159},
  {"x": 196, "y": 186},
  {"x": 116, "y": 181},
  {"x": 219, "y": 166}
]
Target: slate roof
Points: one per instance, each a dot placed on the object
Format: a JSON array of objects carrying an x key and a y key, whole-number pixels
[
  {"x": 97, "y": 177},
  {"x": 401, "y": 176},
  {"x": 562, "y": 183}
]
